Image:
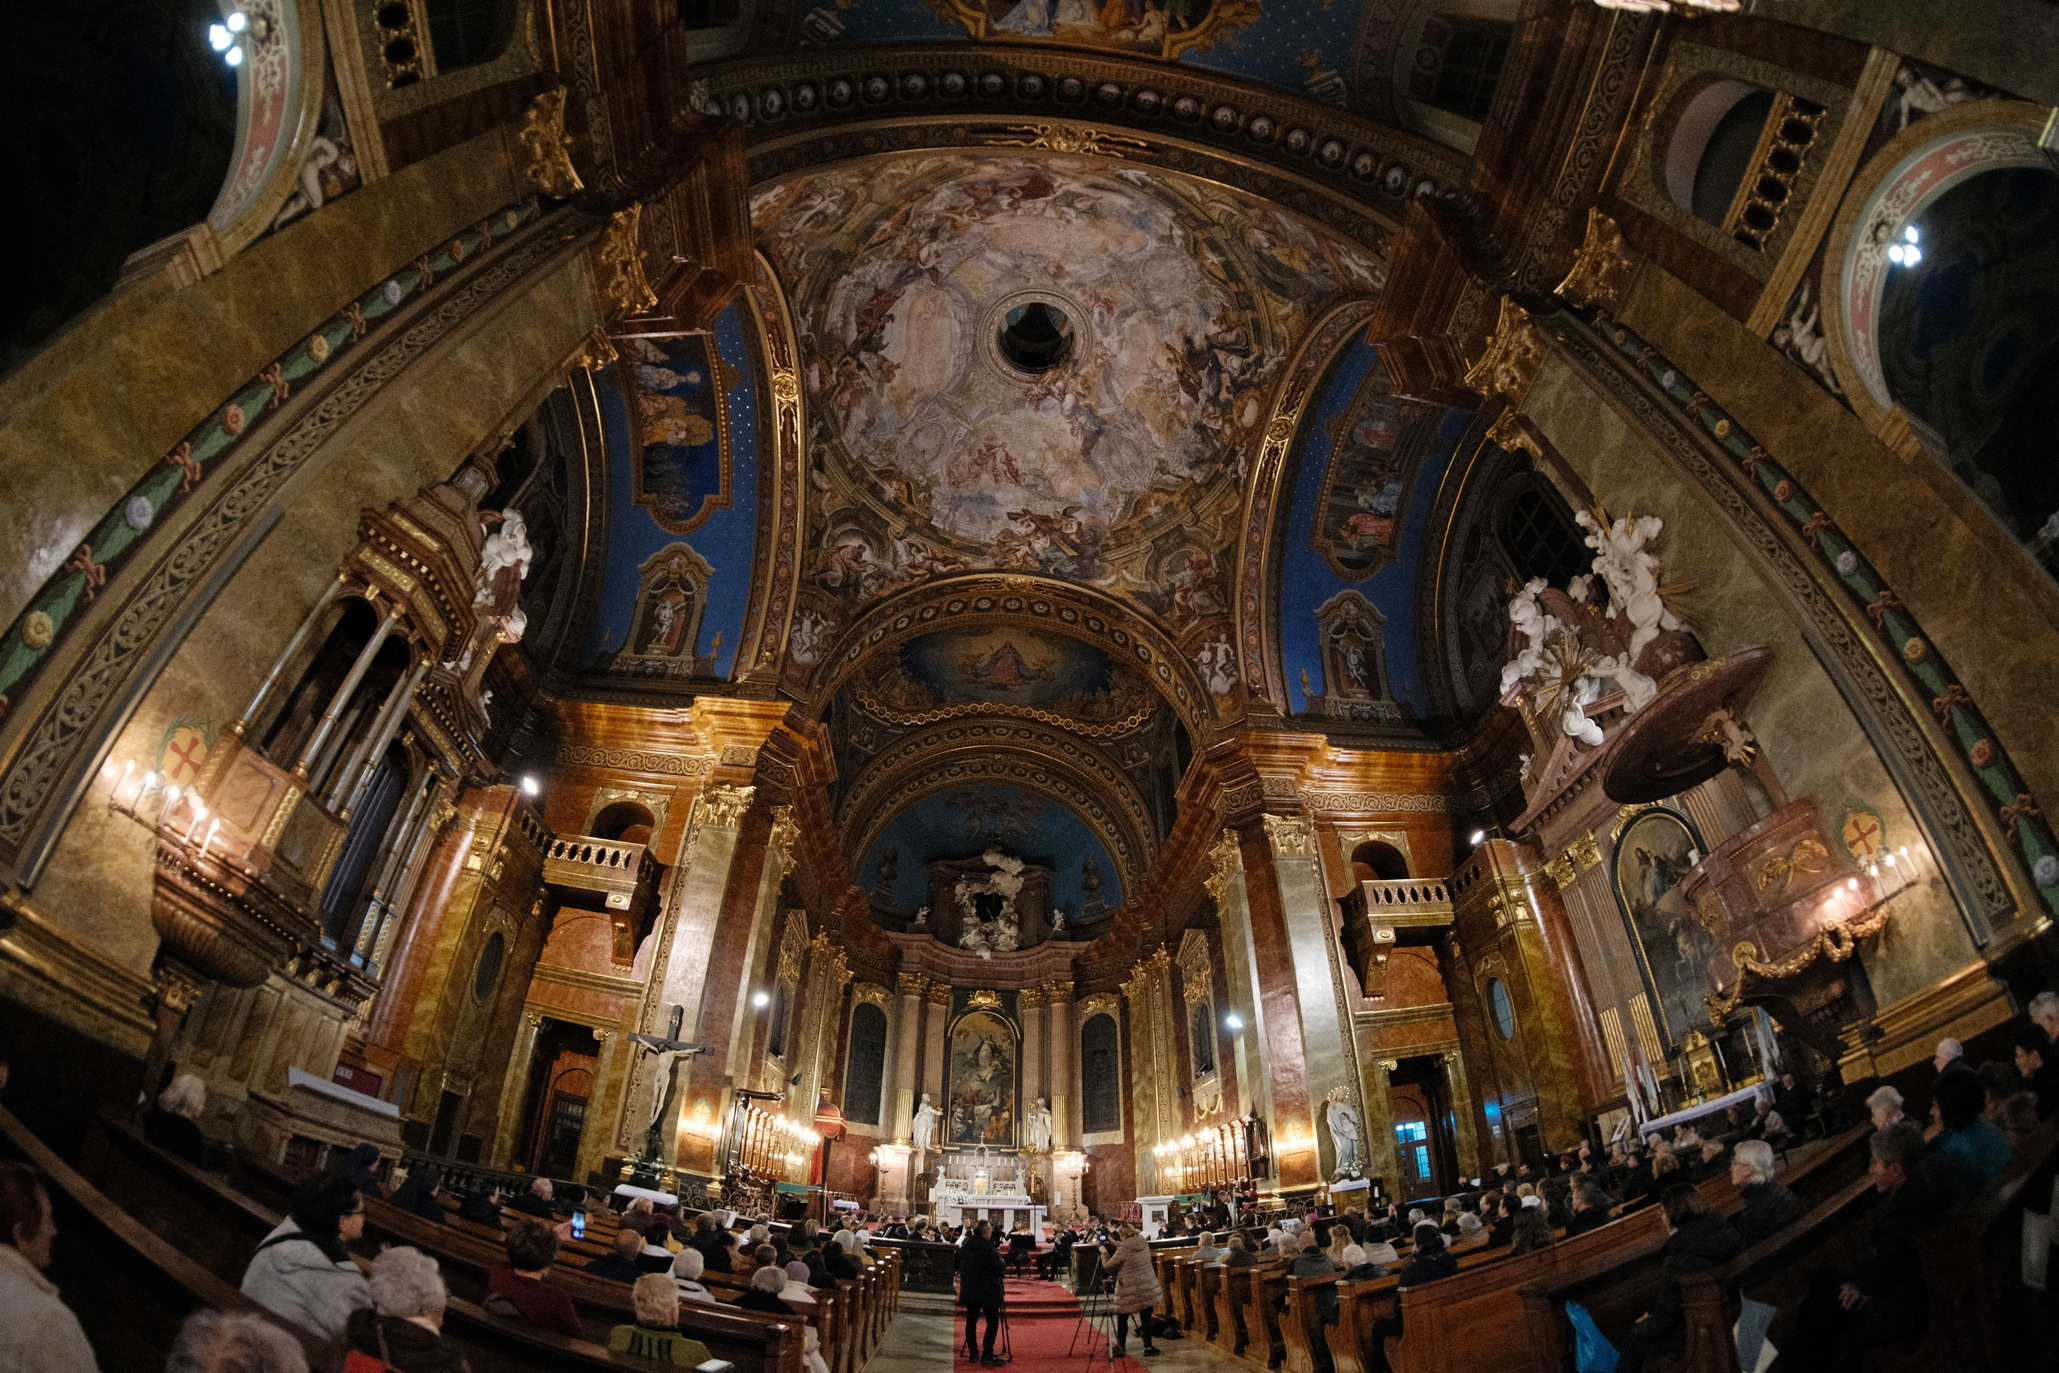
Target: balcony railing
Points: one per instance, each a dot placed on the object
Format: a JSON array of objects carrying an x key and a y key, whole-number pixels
[{"x": 1376, "y": 914}]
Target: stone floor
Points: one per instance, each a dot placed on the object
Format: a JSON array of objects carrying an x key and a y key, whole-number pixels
[{"x": 924, "y": 1334}]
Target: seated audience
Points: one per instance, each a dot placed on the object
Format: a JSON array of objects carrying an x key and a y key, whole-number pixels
[
  {"x": 1950, "y": 1057},
  {"x": 1880, "y": 1301},
  {"x": 687, "y": 1267},
  {"x": 173, "y": 1124},
  {"x": 240, "y": 1342},
  {"x": 404, "y": 1324},
  {"x": 1975, "y": 1149},
  {"x": 842, "y": 1263},
  {"x": 1885, "y": 1106},
  {"x": 1238, "y": 1253},
  {"x": 537, "y": 1200},
  {"x": 1532, "y": 1230},
  {"x": 1998, "y": 1083},
  {"x": 518, "y": 1288},
  {"x": 711, "y": 1237},
  {"x": 302, "y": 1270},
  {"x": 1359, "y": 1266},
  {"x": 655, "y": 1335},
  {"x": 1310, "y": 1261},
  {"x": 360, "y": 1166},
  {"x": 1768, "y": 1206},
  {"x": 1700, "y": 1241},
  {"x": 1206, "y": 1250},
  {"x": 1637, "y": 1177},
  {"x": 1769, "y": 1125},
  {"x": 1472, "y": 1234},
  {"x": 417, "y": 1195},
  {"x": 619, "y": 1263},
  {"x": 1715, "y": 1160},
  {"x": 37, "y": 1330},
  {"x": 1590, "y": 1208}
]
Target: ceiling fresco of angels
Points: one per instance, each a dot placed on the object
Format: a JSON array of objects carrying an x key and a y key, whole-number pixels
[{"x": 1116, "y": 467}]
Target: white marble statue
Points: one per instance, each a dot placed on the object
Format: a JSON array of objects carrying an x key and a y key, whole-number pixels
[
  {"x": 1040, "y": 1126},
  {"x": 1344, "y": 1135},
  {"x": 925, "y": 1127}
]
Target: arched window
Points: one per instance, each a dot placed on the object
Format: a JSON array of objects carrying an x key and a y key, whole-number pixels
[
  {"x": 1537, "y": 534},
  {"x": 625, "y": 822},
  {"x": 464, "y": 33},
  {"x": 866, "y": 1064},
  {"x": 782, "y": 1011},
  {"x": 1458, "y": 63},
  {"x": 1100, "y": 1075},
  {"x": 1382, "y": 862},
  {"x": 1201, "y": 1028}
]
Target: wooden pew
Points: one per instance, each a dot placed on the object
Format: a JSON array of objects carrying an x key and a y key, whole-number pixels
[
  {"x": 1166, "y": 1263},
  {"x": 1616, "y": 1283},
  {"x": 1208, "y": 1281},
  {"x": 1265, "y": 1343},
  {"x": 1359, "y": 1305},
  {"x": 1233, "y": 1303},
  {"x": 1301, "y": 1325},
  {"x": 130, "y": 1287}
]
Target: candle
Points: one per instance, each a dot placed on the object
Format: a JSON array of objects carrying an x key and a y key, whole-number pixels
[
  {"x": 171, "y": 798},
  {"x": 213, "y": 826},
  {"x": 120, "y": 782},
  {"x": 199, "y": 814}
]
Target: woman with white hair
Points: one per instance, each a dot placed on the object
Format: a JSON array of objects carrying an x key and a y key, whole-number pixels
[
  {"x": 1472, "y": 1233},
  {"x": 234, "y": 1342},
  {"x": 173, "y": 1123},
  {"x": 687, "y": 1267},
  {"x": 1885, "y": 1106},
  {"x": 655, "y": 1335},
  {"x": 1768, "y": 1206},
  {"x": 403, "y": 1326}
]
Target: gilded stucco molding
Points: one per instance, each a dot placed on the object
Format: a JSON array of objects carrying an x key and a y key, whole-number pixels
[
  {"x": 547, "y": 149},
  {"x": 1291, "y": 836},
  {"x": 776, "y": 581},
  {"x": 1225, "y": 861}
]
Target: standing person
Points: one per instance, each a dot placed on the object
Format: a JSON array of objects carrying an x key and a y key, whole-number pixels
[
  {"x": 982, "y": 1275},
  {"x": 1136, "y": 1289},
  {"x": 302, "y": 1270},
  {"x": 37, "y": 1330}
]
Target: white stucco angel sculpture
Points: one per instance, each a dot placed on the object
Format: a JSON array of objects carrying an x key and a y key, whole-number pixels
[
  {"x": 1344, "y": 1134},
  {"x": 503, "y": 563},
  {"x": 1040, "y": 1126}
]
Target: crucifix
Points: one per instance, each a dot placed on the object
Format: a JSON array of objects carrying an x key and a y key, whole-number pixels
[{"x": 664, "y": 1082}]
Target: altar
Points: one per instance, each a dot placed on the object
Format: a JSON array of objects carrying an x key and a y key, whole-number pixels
[{"x": 1000, "y": 1199}]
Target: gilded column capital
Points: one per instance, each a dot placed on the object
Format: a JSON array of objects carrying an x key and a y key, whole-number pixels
[
  {"x": 618, "y": 266},
  {"x": 1603, "y": 271},
  {"x": 1224, "y": 860},
  {"x": 722, "y": 806},
  {"x": 1058, "y": 991},
  {"x": 1032, "y": 998},
  {"x": 935, "y": 992},
  {"x": 1512, "y": 358},
  {"x": 911, "y": 984},
  {"x": 1560, "y": 871},
  {"x": 1585, "y": 851},
  {"x": 546, "y": 147},
  {"x": 1291, "y": 836}
]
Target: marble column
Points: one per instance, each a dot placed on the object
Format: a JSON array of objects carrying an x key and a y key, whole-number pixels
[
  {"x": 1065, "y": 1092},
  {"x": 1031, "y": 1002},
  {"x": 907, "y": 1056},
  {"x": 1250, "y": 1049},
  {"x": 1461, "y": 1096},
  {"x": 937, "y": 1003}
]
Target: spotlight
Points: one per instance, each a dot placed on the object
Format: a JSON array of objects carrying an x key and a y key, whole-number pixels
[
  {"x": 1479, "y": 838},
  {"x": 219, "y": 38},
  {"x": 237, "y": 22},
  {"x": 760, "y": 1000},
  {"x": 530, "y": 787},
  {"x": 1233, "y": 1021}
]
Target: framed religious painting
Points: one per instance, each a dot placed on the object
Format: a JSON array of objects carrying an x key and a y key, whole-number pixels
[{"x": 1654, "y": 849}]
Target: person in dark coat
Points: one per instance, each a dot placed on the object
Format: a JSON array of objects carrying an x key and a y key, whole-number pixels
[
  {"x": 1881, "y": 1301},
  {"x": 982, "y": 1277},
  {"x": 417, "y": 1196},
  {"x": 1768, "y": 1206},
  {"x": 1637, "y": 1178},
  {"x": 1701, "y": 1241},
  {"x": 480, "y": 1208},
  {"x": 2036, "y": 1065},
  {"x": 766, "y": 1285},
  {"x": 358, "y": 1168},
  {"x": 619, "y": 1263},
  {"x": 537, "y": 1201},
  {"x": 403, "y": 1327},
  {"x": 1590, "y": 1208},
  {"x": 173, "y": 1123},
  {"x": 712, "y": 1239}
]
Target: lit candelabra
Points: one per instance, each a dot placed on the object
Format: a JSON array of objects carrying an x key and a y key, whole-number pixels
[
  {"x": 1208, "y": 1160},
  {"x": 172, "y": 804}
]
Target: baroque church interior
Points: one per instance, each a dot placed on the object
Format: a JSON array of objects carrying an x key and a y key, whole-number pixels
[{"x": 1039, "y": 608}]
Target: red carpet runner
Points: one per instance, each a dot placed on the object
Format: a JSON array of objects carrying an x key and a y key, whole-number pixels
[{"x": 1042, "y": 1317}]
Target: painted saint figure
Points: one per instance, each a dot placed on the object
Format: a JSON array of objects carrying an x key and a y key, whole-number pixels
[{"x": 1029, "y": 17}]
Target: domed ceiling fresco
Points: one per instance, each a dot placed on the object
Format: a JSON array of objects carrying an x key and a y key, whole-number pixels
[{"x": 1037, "y": 363}]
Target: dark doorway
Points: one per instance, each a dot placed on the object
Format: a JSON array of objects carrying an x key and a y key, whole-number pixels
[
  {"x": 562, "y": 1073},
  {"x": 1426, "y": 1132},
  {"x": 446, "y": 1122}
]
